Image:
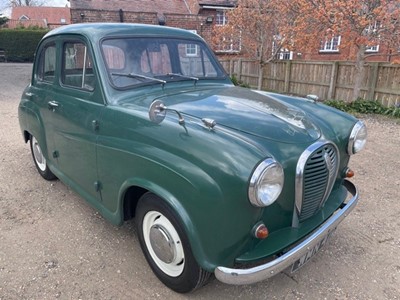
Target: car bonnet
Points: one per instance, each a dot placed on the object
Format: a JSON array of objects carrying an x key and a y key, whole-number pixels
[{"x": 247, "y": 111}]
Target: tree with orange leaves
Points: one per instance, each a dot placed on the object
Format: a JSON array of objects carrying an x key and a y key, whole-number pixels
[
  {"x": 254, "y": 25},
  {"x": 362, "y": 25},
  {"x": 265, "y": 27}
]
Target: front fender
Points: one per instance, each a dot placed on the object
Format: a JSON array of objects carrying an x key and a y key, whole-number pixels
[{"x": 206, "y": 188}]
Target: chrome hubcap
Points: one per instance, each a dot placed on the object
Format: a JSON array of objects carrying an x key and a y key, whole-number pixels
[
  {"x": 38, "y": 155},
  {"x": 162, "y": 244}
]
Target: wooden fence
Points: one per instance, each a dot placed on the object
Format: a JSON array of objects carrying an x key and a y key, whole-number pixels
[{"x": 327, "y": 80}]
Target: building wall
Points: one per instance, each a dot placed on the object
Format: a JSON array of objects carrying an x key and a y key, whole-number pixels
[
  {"x": 185, "y": 21},
  {"x": 193, "y": 6},
  {"x": 346, "y": 54},
  {"x": 111, "y": 16}
]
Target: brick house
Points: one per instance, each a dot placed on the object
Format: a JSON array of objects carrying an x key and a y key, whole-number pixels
[
  {"x": 332, "y": 51},
  {"x": 40, "y": 16},
  {"x": 196, "y": 15}
]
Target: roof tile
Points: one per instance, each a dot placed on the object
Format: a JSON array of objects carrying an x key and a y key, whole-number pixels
[
  {"x": 158, "y": 6},
  {"x": 52, "y": 15}
]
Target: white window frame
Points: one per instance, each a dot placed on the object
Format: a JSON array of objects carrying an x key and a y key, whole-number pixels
[
  {"x": 188, "y": 49},
  {"x": 372, "y": 49},
  {"x": 224, "y": 18},
  {"x": 285, "y": 54},
  {"x": 373, "y": 28},
  {"x": 328, "y": 45},
  {"x": 231, "y": 48}
]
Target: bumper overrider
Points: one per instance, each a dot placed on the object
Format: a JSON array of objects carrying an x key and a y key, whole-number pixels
[{"x": 272, "y": 268}]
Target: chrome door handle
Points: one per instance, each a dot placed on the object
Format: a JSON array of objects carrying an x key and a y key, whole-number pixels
[{"x": 52, "y": 105}]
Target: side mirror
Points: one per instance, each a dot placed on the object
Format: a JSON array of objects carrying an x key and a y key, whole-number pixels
[{"x": 157, "y": 111}]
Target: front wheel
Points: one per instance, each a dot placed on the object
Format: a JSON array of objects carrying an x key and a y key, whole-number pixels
[
  {"x": 166, "y": 247},
  {"x": 40, "y": 160}
]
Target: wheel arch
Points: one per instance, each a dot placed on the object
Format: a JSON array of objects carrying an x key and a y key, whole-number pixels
[
  {"x": 31, "y": 124},
  {"x": 26, "y": 135},
  {"x": 130, "y": 197}
]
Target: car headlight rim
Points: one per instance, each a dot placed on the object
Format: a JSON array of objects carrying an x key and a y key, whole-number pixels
[
  {"x": 357, "y": 139},
  {"x": 266, "y": 183}
]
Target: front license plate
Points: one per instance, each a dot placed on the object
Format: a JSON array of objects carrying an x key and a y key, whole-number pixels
[{"x": 310, "y": 253}]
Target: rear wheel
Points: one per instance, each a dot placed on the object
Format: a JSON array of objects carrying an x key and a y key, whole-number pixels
[
  {"x": 40, "y": 160},
  {"x": 166, "y": 247}
]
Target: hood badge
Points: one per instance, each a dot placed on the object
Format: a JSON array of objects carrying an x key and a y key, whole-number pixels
[{"x": 209, "y": 123}]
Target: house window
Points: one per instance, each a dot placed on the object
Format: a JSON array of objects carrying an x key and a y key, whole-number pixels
[
  {"x": 63, "y": 21},
  {"x": 331, "y": 45},
  {"x": 372, "y": 49},
  {"x": 221, "y": 18},
  {"x": 229, "y": 45},
  {"x": 373, "y": 32},
  {"x": 285, "y": 54},
  {"x": 191, "y": 49}
]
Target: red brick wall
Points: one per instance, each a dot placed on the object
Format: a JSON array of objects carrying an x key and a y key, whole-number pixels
[
  {"x": 346, "y": 55},
  {"x": 190, "y": 22},
  {"x": 193, "y": 6},
  {"x": 111, "y": 16}
]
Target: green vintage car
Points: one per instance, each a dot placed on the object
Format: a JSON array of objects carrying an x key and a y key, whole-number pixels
[{"x": 143, "y": 122}]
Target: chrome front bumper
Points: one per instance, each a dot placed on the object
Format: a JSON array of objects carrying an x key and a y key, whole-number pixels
[{"x": 265, "y": 271}]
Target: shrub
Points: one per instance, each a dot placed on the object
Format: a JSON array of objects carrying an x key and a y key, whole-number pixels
[
  {"x": 20, "y": 45},
  {"x": 365, "y": 107},
  {"x": 238, "y": 82}
]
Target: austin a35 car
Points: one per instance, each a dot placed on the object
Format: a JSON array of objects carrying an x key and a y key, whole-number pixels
[{"x": 143, "y": 123}]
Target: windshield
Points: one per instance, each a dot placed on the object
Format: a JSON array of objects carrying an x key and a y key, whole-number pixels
[{"x": 143, "y": 61}]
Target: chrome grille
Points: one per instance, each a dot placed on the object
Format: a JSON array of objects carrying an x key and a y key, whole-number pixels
[{"x": 316, "y": 172}]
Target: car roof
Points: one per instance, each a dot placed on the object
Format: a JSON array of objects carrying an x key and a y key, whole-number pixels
[{"x": 97, "y": 31}]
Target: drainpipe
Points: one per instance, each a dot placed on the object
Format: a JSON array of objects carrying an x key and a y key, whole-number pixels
[{"x": 121, "y": 15}]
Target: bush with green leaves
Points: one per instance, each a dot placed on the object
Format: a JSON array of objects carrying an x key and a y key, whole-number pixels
[
  {"x": 365, "y": 107},
  {"x": 20, "y": 44},
  {"x": 238, "y": 82}
]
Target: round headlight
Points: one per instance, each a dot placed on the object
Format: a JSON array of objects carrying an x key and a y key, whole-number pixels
[
  {"x": 357, "y": 139},
  {"x": 266, "y": 183}
]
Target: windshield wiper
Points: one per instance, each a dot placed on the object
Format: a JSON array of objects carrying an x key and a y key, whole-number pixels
[
  {"x": 133, "y": 75},
  {"x": 183, "y": 76}
]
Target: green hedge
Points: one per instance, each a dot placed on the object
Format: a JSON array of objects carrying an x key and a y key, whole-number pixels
[
  {"x": 20, "y": 45},
  {"x": 365, "y": 107}
]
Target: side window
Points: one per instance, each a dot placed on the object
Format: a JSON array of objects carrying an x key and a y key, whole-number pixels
[
  {"x": 77, "y": 68},
  {"x": 47, "y": 63}
]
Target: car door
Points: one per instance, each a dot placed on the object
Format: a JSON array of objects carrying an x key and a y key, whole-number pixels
[
  {"x": 77, "y": 107},
  {"x": 40, "y": 93}
]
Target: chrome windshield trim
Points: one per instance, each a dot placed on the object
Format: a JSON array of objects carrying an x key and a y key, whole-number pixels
[{"x": 270, "y": 269}]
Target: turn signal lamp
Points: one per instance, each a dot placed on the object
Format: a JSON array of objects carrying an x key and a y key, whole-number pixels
[
  {"x": 261, "y": 231},
  {"x": 349, "y": 173}
]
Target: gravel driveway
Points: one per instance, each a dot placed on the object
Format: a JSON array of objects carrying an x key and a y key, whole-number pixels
[{"x": 54, "y": 245}]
